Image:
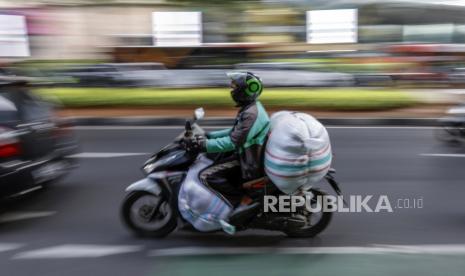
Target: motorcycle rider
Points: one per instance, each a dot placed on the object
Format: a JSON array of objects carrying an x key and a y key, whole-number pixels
[{"x": 244, "y": 140}]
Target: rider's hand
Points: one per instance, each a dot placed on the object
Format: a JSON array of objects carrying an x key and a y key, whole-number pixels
[
  {"x": 195, "y": 144},
  {"x": 200, "y": 143}
]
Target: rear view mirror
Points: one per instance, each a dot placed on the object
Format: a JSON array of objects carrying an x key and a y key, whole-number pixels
[{"x": 199, "y": 113}]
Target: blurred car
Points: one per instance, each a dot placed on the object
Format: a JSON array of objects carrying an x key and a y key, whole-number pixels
[
  {"x": 33, "y": 142},
  {"x": 95, "y": 75},
  {"x": 112, "y": 74},
  {"x": 373, "y": 79},
  {"x": 452, "y": 126},
  {"x": 277, "y": 74},
  {"x": 457, "y": 77}
]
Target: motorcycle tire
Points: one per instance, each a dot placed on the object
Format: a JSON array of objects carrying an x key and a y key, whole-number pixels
[
  {"x": 310, "y": 232},
  {"x": 167, "y": 227}
]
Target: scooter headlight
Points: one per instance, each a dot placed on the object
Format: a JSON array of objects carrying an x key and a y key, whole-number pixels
[{"x": 149, "y": 167}]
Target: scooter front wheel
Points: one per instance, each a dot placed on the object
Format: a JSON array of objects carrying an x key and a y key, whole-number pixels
[{"x": 148, "y": 215}]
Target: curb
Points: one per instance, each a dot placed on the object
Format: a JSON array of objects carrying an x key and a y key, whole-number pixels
[{"x": 221, "y": 121}]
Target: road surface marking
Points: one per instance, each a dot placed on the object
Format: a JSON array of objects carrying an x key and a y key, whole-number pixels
[
  {"x": 77, "y": 251},
  {"x": 455, "y": 249},
  {"x": 443, "y": 154},
  {"x": 15, "y": 216},
  {"x": 439, "y": 249},
  {"x": 9, "y": 246},
  {"x": 105, "y": 154}
]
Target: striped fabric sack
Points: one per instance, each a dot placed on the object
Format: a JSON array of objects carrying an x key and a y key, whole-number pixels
[
  {"x": 202, "y": 207},
  {"x": 298, "y": 151}
]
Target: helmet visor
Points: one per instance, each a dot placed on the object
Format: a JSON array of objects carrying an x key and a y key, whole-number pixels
[{"x": 238, "y": 77}]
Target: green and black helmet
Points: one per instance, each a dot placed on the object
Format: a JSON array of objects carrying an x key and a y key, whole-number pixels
[{"x": 246, "y": 87}]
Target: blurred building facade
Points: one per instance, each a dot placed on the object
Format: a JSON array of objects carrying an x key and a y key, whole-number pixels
[{"x": 88, "y": 30}]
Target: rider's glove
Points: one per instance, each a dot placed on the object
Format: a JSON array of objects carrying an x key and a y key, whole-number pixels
[
  {"x": 195, "y": 144},
  {"x": 200, "y": 143}
]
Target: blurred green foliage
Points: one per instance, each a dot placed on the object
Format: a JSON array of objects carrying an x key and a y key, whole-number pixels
[{"x": 328, "y": 99}]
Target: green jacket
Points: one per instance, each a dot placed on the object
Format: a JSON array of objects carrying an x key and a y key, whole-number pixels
[{"x": 247, "y": 137}]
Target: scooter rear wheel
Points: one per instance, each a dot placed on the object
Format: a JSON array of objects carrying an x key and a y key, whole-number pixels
[
  {"x": 310, "y": 231},
  {"x": 148, "y": 215}
]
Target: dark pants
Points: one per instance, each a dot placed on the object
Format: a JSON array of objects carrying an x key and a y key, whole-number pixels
[{"x": 224, "y": 176}]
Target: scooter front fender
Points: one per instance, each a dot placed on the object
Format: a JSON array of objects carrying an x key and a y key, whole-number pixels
[{"x": 147, "y": 185}]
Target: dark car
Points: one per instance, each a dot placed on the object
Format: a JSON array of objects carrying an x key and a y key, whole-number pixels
[
  {"x": 95, "y": 75},
  {"x": 111, "y": 74},
  {"x": 33, "y": 143}
]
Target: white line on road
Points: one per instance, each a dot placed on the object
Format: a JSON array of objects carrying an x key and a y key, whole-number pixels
[
  {"x": 9, "y": 246},
  {"x": 456, "y": 249},
  {"x": 95, "y": 251},
  {"x": 193, "y": 251},
  {"x": 77, "y": 251},
  {"x": 443, "y": 154},
  {"x": 15, "y": 216},
  {"x": 105, "y": 154},
  {"x": 439, "y": 249}
]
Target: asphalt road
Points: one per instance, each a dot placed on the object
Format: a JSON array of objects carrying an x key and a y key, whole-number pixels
[{"x": 73, "y": 227}]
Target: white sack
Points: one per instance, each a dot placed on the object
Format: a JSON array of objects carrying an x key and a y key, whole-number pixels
[
  {"x": 200, "y": 205},
  {"x": 298, "y": 151}
]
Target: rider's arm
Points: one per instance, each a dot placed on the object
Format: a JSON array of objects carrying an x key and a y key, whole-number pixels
[
  {"x": 236, "y": 137},
  {"x": 222, "y": 144},
  {"x": 219, "y": 133}
]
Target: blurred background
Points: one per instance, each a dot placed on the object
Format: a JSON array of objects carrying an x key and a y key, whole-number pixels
[
  {"x": 334, "y": 59},
  {"x": 376, "y": 46}
]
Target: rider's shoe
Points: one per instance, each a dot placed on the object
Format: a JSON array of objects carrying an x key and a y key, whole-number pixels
[{"x": 244, "y": 212}]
